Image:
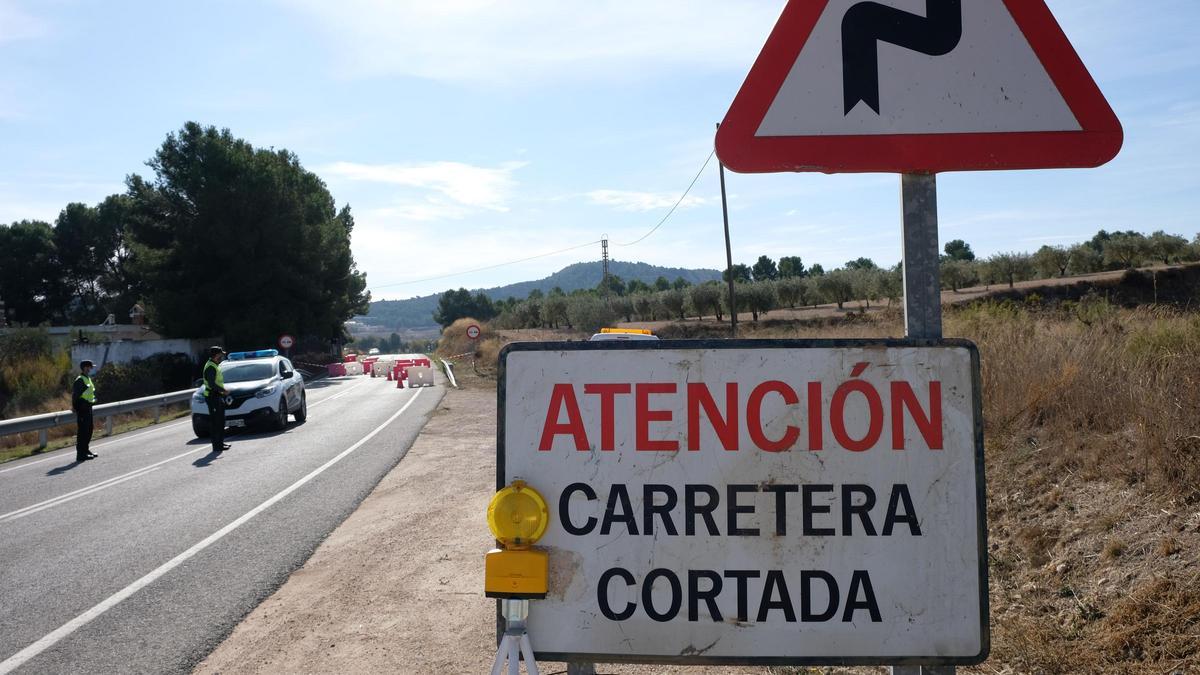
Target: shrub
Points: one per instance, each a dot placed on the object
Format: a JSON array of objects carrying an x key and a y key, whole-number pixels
[
  {"x": 157, "y": 374},
  {"x": 454, "y": 340},
  {"x": 32, "y": 373},
  {"x": 589, "y": 314}
]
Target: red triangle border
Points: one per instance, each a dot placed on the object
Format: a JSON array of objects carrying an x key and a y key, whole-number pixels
[{"x": 740, "y": 150}]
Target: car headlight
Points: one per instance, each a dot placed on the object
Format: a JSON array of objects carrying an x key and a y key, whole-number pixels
[{"x": 267, "y": 391}]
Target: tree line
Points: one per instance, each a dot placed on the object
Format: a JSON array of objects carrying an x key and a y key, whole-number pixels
[
  {"x": 223, "y": 239},
  {"x": 759, "y": 288},
  {"x": 1105, "y": 251},
  {"x": 768, "y": 284},
  {"x": 392, "y": 344}
]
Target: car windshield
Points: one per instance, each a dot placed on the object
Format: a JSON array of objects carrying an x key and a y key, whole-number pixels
[{"x": 247, "y": 372}]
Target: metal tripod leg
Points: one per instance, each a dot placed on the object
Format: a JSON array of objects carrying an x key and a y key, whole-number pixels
[{"x": 515, "y": 644}]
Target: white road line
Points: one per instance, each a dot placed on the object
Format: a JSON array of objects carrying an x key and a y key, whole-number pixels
[
  {"x": 20, "y": 658},
  {"x": 168, "y": 425},
  {"x": 101, "y": 483},
  {"x": 34, "y": 509},
  {"x": 335, "y": 396},
  {"x": 123, "y": 438},
  {"x": 62, "y": 499}
]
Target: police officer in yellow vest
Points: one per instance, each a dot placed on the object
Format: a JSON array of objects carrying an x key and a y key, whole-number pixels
[
  {"x": 214, "y": 396},
  {"x": 83, "y": 397}
]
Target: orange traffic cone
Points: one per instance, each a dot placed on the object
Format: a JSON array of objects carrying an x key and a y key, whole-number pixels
[
  {"x": 399, "y": 383},
  {"x": 389, "y": 375}
]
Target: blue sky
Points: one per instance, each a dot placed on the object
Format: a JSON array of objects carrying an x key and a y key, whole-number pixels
[{"x": 471, "y": 132}]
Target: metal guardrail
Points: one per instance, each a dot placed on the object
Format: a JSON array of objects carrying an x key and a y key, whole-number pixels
[
  {"x": 43, "y": 423},
  {"x": 449, "y": 372}
]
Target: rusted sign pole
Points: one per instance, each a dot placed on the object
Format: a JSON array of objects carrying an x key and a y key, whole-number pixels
[
  {"x": 922, "y": 292},
  {"x": 728, "y": 250},
  {"x": 922, "y": 286}
]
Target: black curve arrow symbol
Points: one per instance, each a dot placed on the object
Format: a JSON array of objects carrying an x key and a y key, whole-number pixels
[{"x": 868, "y": 23}]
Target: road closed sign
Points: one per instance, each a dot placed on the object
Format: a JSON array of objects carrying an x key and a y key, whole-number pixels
[{"x": 753, "y": 502}]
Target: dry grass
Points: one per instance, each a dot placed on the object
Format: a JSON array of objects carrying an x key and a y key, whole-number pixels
[
  {"x": 1112, "y": 400},
  {"x": 1159, "y": 621},
  {"x": 1113, "y": 549},
  {"x": 454, "y": 341}
]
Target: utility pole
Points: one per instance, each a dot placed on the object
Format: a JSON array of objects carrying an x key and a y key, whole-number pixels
[
  {"x": 728, "y": 249},
  {"x": 604, "y": 260}
]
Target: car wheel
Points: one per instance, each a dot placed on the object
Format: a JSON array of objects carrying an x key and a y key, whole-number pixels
[
  {"x": 302, "y": 413},
  {"x": 281, "y": 418},
  {"x": 200, "y": 426}
]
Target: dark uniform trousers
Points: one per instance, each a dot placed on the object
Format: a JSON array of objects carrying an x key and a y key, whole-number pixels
[
  {"x": 83, "y": 435},
  {"x": 216, "y": 420}
]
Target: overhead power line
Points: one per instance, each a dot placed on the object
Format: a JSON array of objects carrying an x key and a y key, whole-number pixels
[
  {"x": 561, "y": 250},
  {"x": 488, "y": 267},
  {"x": 681, "y": 198}
]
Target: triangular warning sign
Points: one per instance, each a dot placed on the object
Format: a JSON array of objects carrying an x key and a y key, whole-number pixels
[{"x": 917, "y": 86}]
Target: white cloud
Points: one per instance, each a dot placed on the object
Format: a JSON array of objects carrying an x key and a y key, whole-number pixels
[
  {"x": 626, "y": 200},
  {"x": 399, "y": 256},
  {"x": 504, "y": 42},
  {"x": 459, "y": 188},
  {"x": 16, "y": 24}
]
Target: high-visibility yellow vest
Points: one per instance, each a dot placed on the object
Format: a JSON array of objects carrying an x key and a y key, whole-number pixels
[
  {"x": 220, "y": 377},
  {"x": 89, "y": 390}
]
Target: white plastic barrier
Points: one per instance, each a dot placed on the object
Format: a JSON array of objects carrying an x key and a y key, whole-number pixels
[
  {"x": 381, "y": 368},
  {"x": 420, "y": 376},
  {"x": 354, "y": 368}
]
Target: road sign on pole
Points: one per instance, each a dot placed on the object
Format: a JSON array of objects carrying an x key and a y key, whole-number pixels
[
  {"x": 851, "y": 86},
  {"x": 753, "y": 502},
  {"x": 473, "y": 332},
  {"x": 286, "y": 341}
]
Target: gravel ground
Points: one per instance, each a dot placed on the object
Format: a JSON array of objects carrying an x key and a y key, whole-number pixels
[{"x": 398, "y": 586}]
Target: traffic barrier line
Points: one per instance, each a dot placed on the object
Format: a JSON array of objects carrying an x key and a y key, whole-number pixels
[
  {"x": 450, "y": 372},
  {"x": 96, "y": 487},
  {"x": 122, "y": 438},
  {"x": 54, "y": 637},
  {"x": 146, "y": 431}
]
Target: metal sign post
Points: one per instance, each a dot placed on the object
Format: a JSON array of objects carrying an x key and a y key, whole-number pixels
[
  {"x": 728, "y": 251},
  {"x": 922, "y": 293},
  {"x": 922, "y": 288}
]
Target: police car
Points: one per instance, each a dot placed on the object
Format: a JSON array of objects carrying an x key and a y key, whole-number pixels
[
  {"x": 264, "y": 388},
  {"x": 623, "y": 334}
]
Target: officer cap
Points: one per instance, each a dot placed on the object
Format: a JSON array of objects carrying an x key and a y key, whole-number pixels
[{"x": 214, "y": 350}]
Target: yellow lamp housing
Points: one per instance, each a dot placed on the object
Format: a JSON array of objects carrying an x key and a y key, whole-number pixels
[
  {"x": 516, "y": 574},
  {"x": 518, "y": 516}
]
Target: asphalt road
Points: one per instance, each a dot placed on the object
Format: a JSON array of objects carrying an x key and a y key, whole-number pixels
[{"x": 143, "y": 560}]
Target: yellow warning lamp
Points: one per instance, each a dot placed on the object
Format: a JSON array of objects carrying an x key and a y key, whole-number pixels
[
  {"x": 627, "y": 331},
  {"x": 518, "y": 517}
]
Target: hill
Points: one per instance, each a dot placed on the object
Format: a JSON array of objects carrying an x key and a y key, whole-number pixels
[{"x": 418, "y": 312}]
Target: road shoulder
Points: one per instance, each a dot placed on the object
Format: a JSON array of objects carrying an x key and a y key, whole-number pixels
[{"x": 398, "y": 586}]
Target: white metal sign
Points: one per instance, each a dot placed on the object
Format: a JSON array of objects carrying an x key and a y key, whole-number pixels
[
  {"x": 917, "y": 86},
  {"x": 753, "y": 501},
  {"x": 961, "y": 87}
]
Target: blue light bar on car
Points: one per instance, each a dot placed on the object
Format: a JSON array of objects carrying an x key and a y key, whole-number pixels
[{"x": 260, "y": 354}]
